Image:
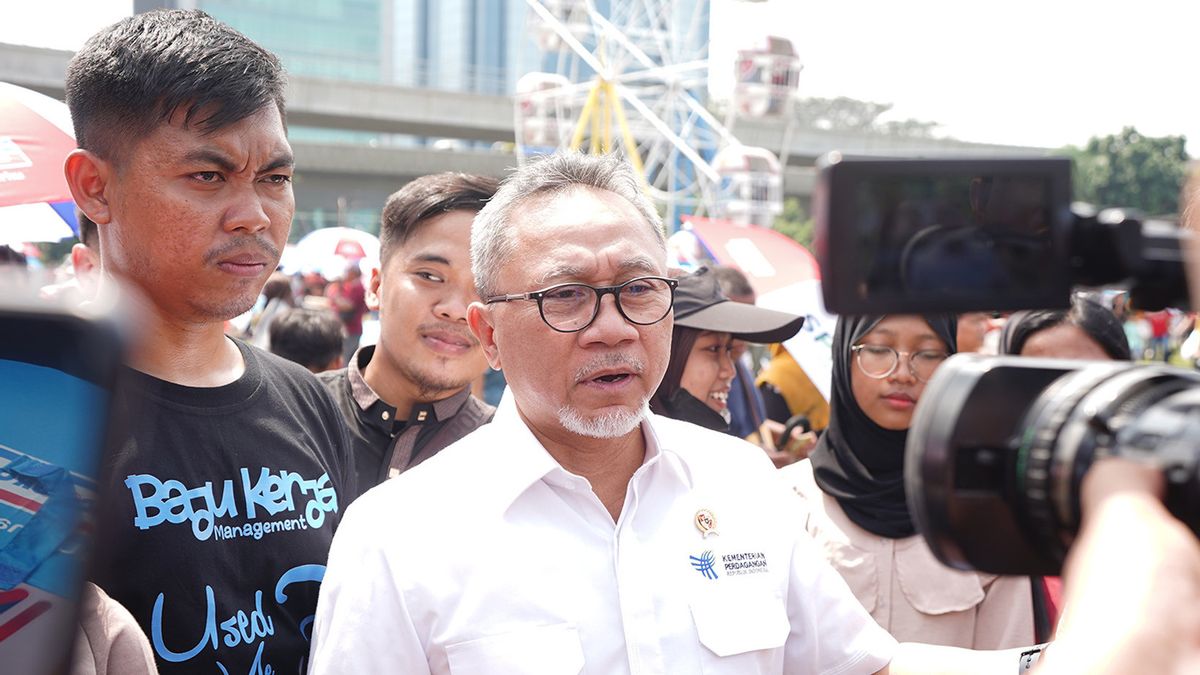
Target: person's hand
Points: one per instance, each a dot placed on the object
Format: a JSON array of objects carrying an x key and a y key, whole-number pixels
[
  {"x": 783, "y": 451},
  {"x": 1132, "y": 581}
]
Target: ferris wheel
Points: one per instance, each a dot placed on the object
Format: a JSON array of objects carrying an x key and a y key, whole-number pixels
[{"x": 634, "y": 80}]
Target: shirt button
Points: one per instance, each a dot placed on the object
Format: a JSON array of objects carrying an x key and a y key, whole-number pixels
[{"x": 386, "y": 415}]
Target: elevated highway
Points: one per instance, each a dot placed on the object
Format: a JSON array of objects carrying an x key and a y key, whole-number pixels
[{"x": 476, "y": 120}]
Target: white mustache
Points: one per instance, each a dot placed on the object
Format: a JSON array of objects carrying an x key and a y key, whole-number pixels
[{"x": 609, "y": 361}]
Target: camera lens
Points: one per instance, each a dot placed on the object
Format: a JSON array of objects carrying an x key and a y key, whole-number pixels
[{"x": 999, "y": 447}]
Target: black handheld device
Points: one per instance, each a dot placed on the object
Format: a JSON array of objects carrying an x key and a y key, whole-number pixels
[{"x": 57, "y": 371}]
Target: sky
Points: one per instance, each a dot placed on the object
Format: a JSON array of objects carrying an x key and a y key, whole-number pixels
[
  {"x": 1042, "y": 73},
  {"x": 1023, "y": 72}
]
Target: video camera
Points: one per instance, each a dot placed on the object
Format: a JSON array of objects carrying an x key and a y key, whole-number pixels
[{"x": 998, "y": 446}]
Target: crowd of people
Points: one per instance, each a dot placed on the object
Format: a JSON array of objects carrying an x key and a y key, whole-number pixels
[{"x": 606, "y": 514}]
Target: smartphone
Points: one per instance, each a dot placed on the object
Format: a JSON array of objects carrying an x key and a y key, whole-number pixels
[
  {"x": 911, "y": 236},
  {"x": 57, "y": 371}
]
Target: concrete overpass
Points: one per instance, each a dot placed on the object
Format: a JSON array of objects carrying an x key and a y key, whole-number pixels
[{"x": 370, "y": 172}]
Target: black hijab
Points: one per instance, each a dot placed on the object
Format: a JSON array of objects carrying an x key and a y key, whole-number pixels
[{"x": 856, "y": 461}]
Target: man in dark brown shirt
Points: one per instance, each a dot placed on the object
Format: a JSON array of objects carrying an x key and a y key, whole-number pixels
[{"x": 409, "y": 396}]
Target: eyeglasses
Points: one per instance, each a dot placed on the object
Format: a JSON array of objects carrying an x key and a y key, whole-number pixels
[
  {"x": 878, "y": 362},
  {"x": 569, "y": 308}
]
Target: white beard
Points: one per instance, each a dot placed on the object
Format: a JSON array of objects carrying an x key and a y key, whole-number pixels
[{"x": 610, "y": 425}]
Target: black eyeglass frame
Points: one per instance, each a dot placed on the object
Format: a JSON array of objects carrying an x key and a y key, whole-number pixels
[
  {"x": 857, "y": 350},
  {"x": 600, "y": 292}
]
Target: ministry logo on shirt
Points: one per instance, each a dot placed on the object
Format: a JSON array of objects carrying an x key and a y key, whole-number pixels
[
  {"x": 732, "y": 564},
  {"x": 704, "y": 564},
  {"x": 750, "y": 562}
]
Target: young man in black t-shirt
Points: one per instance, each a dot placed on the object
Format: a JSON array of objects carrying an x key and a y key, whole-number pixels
[{"x": 223, "y": 497}]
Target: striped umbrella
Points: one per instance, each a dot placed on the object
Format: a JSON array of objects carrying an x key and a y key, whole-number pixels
[{"x": 35, "y": 138}]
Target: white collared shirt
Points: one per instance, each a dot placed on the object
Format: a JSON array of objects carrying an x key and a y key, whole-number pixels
[{"x": 492, "y": 558}]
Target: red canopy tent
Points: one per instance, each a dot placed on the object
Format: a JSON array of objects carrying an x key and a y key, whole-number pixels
[{"x": 770, "y": 259}]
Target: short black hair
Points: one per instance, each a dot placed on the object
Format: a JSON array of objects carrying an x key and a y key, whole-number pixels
[
  {"x": 1091, "y": 316},
  {"x": 733, "y": 281},
  {"x": 428, "y": 197},
  {"x": 134, "y": 75},
  {"x": 88, "y": 234},
  {"x": 11, "y": 256},
  {"x": 279, "y": 286},
  {"x": 310, "y": 337}
]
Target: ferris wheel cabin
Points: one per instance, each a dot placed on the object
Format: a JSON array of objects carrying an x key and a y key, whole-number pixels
[
  {"x": 751, "y": 187},
  {"x": 767, "y": 78}
]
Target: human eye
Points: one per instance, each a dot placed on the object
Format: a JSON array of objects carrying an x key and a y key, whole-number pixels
[
  {"x": 566, "y": 293},
  {"x": 877, "y": 350},
  {"x": 640, "y": 287},
  {"x": 278, "y": 179},
  {"x": 929, "y": 356},
  {"x": 430, "y": 276},
  {"x": 207, "y": 176}
]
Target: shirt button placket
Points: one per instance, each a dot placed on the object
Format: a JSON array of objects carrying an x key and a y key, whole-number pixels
[{"x": 636, "y": 594}]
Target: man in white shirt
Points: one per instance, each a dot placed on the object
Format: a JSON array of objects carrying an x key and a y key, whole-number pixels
[{"x": 578, "y": 533}]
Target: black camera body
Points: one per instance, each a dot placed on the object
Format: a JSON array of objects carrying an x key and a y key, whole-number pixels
[
  {"x": 909, "y": 236},
  {"x": 998, "y": 446}
]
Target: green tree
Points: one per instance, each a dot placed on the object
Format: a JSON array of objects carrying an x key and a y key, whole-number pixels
[
  {"x": 795, "y": 222},
  {"x": 852, "y": 115},
  {"x": 841, "y": 113},
  {"x": 1131, "y": 170}
]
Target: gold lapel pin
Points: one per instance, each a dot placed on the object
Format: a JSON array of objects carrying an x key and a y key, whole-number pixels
[{"x": 706, "y": 522}]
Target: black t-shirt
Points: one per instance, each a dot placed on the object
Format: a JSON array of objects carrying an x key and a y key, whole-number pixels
[{"x": 219, "y": 510}]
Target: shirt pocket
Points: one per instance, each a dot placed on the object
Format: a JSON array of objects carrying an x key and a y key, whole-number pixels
[
  {"x": 732, "y": 621},
  {"x": 543, "y": 650},
  {"x": 932, "y": 588},
  {"x": 856, "y": 566}
]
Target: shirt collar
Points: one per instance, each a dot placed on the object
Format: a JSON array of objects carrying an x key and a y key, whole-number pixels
[
  {"x": 527, "y": 461},
  {"x": 670, "y": 457},
  {"x": 363, "y": 395},
  {"x": 381, "y": 413}
]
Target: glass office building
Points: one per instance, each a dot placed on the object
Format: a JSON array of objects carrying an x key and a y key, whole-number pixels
[
  {"x": 459, "y": 45},
  {"x": 479, "y": 46},
  {"x": 334, "y": 39}
]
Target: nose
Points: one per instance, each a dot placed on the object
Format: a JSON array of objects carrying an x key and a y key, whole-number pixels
[
  {"x": 904, "y": 370},
  {"x": 727, "y": 370},
  {"x": 452, "y": 306},
  {"x": 609, "y": 327},
  {"x": 246, "y": 212}
]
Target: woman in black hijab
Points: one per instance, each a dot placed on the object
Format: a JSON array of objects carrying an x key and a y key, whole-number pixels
[{"x": 853, "y": 490}]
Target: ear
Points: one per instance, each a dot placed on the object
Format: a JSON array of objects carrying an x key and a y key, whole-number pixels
[
  {"x": 479, "y": 319},
  {"x": 84, "y": 260},
  {"x": 372, "y": 290},
  {"x": 88, "y": 177}
]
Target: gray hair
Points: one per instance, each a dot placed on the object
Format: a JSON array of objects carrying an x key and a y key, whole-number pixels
[{"x": 491, "y": 240}]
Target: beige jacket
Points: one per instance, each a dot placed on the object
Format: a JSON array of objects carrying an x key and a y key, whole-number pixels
[{"x": 906, "y": 590}]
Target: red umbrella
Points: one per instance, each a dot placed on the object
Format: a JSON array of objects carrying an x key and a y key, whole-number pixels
[{"x": 35, "y": 138}]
